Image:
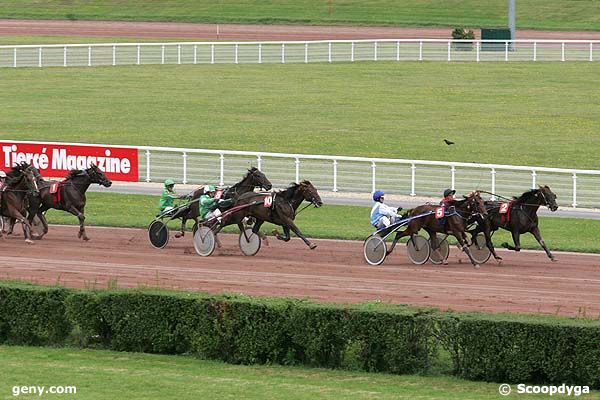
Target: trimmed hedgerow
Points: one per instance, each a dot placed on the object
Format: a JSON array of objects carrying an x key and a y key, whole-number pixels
[{"x": 369, "y": 337}]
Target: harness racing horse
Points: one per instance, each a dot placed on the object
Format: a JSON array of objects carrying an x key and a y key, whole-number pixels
[
  {"x": 519, "y": 217},
  {"x": 69, "y": 195},
  {"x": 19, "y": 185},
  {"x": 278, "y": 208},
  {"x": 454, "y": 222},
  {"x": 254, "y": 178}
]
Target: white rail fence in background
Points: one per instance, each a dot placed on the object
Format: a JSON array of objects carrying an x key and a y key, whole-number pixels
[
  {"x": 575, "y": 188},
  {"x": 79, "y": 55}
]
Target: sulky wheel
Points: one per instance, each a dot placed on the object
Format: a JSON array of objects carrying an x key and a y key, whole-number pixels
[
  {"x": 418, "y": 249},
  {"x": 158, "y": 234},
  {"x": 374, "y": 250},
  {"x": 204, "y": 241},
  {"x": 479, "y": 250},
  {"x": 249, "y": 246}
]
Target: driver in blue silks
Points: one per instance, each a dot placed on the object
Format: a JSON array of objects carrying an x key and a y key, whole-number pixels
[{"x": 383, "y": 215}]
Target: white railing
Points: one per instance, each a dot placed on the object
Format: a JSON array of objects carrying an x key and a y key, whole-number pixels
[
  {"x": 103, "y": 54},
  {"x": 574, "y": 187}
]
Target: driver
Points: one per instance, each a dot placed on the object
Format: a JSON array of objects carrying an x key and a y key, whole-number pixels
[
  {"x": 383, "y": 215},
  {"x": 168, "y": 196}
]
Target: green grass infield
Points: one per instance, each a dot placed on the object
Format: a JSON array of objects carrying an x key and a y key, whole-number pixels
[{"x": 536, "y": 114}]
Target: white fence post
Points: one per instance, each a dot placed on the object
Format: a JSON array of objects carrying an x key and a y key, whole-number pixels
[
  {"x": 184, "y": 156},
  {"x": 147, "y": 165},
  {"x": 398, "y": 51},
  {"x": 162, "y": 54},
  {"x": 306, "y": 53},
  {"x": 373, "y": 176},
  {"x": 574, "y": 190},
  {"x": 114, "y": 61},
  {"x": 65, "y": 57},
  {"x": 352, "y": 52},
  {"x": 420, "y": 51},
  {"x": 591, "y": 51},
  {"x": 40, "y": 57},
  {"x": 15, "y": 57},
  {"x": 413, "y": 184},
  {"x": 259, "y": 162},
  {"x": 329, "y": 52},
  {"x": 195, "y": 54},
  {"x": 533, "y": 179},
  {"x": 260, "y": 53},
  {"x": 375, "y": 51},
  {"x": 493, "y": 190},
  {"x": 562, "y": 52},
  {"x": 236, "y": 53},
  {"x": 449, "y": 43},
  {"x": 335, "y": 163},
  {"x": 139, "y": 55},
  {"x": 222, "y": 169},
  {"x": 534, "y": 51},
  {"x": 505, "y": 51},
  {"x": 478, "y": 47},
  {"x": 283, "y": 53},
  {"x": 453, "y": 174},
  {"x": 212, "y": 53},
  {"x": 179, "y": 54},
  {"x": 297, "y": 162},
  {"x": 89, "y": 56}
]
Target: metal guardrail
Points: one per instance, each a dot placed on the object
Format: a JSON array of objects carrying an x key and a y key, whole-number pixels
[
  {"x": 574, "y": 187},
  {"x": 423, "y": 178},
  {"x": 106, "y": 54}
]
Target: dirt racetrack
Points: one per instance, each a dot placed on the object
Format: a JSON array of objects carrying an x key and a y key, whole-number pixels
[{"x": 335, "y": 272}]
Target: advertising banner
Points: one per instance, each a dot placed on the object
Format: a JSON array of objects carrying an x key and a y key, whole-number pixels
[{"x": 56, "y": 160}]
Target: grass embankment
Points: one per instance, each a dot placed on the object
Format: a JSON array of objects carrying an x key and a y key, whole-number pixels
[
  {"x": 536, "y": 14},
  {"x": 523, "y": 114},
  {"x": 329, "y": 221},
  {"x": 109, "y": 375}
]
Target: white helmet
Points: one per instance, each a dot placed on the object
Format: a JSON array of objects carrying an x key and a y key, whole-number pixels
[{"x": 2, "y": 174}]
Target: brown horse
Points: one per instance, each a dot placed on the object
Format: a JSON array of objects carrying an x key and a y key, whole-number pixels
[
  {"x": 19, "y": 186},
  {"x": 518, "y": 218},
  {"x": 254, "y": 178},
  {"x": 69, "y": 196},
  {"x": 278, "y": 208},
  {"x": 454, "y": 222}
]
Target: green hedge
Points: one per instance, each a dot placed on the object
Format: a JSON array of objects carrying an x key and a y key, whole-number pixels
[{"x": 369, "y": 337}]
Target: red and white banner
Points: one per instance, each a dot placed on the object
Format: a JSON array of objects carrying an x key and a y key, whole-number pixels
[{"x": 56, "y": 160}]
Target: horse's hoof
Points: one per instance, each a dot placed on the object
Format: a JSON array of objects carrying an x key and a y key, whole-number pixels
[
  {"x": 553, "y": 259},
  {"x": 445, "y": 262},
  {"x": 498, "y": 259},
  {"x": 476, "y": 266},
  {"x": 28, "y": 241},
  {"x": 86, "y": 239},
  {"x": 505, "y": 245},
  {"x": 312, "y": 246},
  {"x": 179, "y": 234}
]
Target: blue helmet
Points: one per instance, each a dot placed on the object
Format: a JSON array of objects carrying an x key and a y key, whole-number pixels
[{"x": 378, "y": 195}]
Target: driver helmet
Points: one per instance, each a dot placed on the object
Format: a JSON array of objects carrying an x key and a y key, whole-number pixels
[
  {"x": 378, "y": 195},
  {"x": 209, "y": 189},
  {"x": 2, "y": 174},
  {"x": 449, "y": 192},
  {"x": 169, "y": 182}
]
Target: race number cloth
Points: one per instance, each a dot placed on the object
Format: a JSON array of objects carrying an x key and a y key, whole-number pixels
[
  {"x": 505, "y": 211},
  {"x": 268, "y": 201},
  {"x": 55, "y": 191},
  {"x": 439, "y": 212}
]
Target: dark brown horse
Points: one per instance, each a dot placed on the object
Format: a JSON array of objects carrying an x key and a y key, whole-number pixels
[
  {"x": 454, "y": 223},
  {"x": 69, "y": 195},
  {"x": 278, "y": 208},
  {"x": 254, "y": 178},
  {"x": 18, "y": 188},
  {"x": 518, "y": 216}
]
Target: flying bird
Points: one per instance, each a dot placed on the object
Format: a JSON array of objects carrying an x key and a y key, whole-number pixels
[{"x": 448, "y": 142}]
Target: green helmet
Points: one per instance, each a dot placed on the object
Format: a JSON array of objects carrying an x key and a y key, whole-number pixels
[
  {"x": 209, "y": 188},
  {"x": 169, "y": 182}
]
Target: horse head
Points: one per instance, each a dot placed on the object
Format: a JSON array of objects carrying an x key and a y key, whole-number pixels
[
  {"x": 31, "y": 176},
  {"x": 97, "y": 176},
  {"x": 309, "y": 193},
  {"x": 259, "y": 179},
  {"x": 475, "y": 204},
  {"x": 547, "y": 197}
]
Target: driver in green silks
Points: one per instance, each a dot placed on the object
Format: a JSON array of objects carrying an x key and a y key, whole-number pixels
[
  {"x": 209, "y": 206},
  {"x": 168, "y": 196}
]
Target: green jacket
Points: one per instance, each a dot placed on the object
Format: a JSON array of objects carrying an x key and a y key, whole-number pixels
[
  {"x": 167, "y": 199},
  {"x": 206, "y": 204}
]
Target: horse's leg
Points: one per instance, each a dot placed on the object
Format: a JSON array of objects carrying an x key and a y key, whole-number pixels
[
  {"x": 488, "y": 241},
  {"x": 26, "y": 227},
  {"x": 42, "y": 218},
  {"x": 460, "y": 236},
  {"x": 516, "y": 236},
  {"x": 182, "y": 232},
  {"x": 538, "y": 236},
  {"x": 11, "y": 225},
  {"x": 256, "y": 230},
  {"x": 290, "y": 225},
  {"x": 79, "y": 214}
]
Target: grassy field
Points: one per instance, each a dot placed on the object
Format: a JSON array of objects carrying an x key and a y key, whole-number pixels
[
  {"x": 329, "y": 221},
  {"x": 537, "y": 14},
  {"x": 109, "y": 375},
  {"x": 542, "y": 114}
]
